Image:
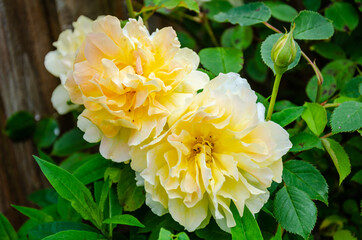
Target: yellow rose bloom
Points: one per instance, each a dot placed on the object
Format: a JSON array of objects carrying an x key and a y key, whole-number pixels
[
  {"x": 218, "y": 149},
  {"x": 129, "y": 82},
  {"x": 60, "y": 61}
]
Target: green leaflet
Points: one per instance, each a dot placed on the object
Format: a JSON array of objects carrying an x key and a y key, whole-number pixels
[
  {"x": 352, "y": 87},
  {"x": 329, "y": 87},
  {"x": 93, "y": 169},
  {"x": 130, "y": 196},
  {"x": 71, "y": 189},
  {"x": 47, "y": 130},
  {"x": 237, "y": 37},
  {"x": 281, "y": 11},
  {"x": 307, "y": 178},
  {"x": 339, "y": 157},
  {"x": 247, "y": 227},
  {"x": 288, "y": 115},
  {"x": 7, "y": 232},
  {"x": 312, "y": 26},
  {"x": 342, "y": 70},
  {"x": 189, "y": 4},
  {"x": 357, "y": 177},
  {"x": 295, "y": 211},
  {"x": 34, "y": 214},
  {"x": 305, "y": 141},
  {"x": 221, "y": 60},
  {"x": 74, "y": 235},
  {"x": 20, "y": 126},
  {"x": 329, "y": 50},
  {"x": 46, "y": 229},
  {"x": 245, "y": 15},
  {"x": 124, "y": 219},
  {"x": 316, "y": 117},
  {"x": 347, "y": 117},
  {"x": 343, "y": 15},
  {"x": 70, "y": 142}
]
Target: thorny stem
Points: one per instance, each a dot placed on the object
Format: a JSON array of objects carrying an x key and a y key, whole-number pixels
[
  {"x": 327, "y": 135},
  {"x": 130, "y": 8},
  {"x": 319, "y": 93},
  {"x": 209, "y": 31},
  {"x": 329, "y": 105},
  {"x": 278, "y": 77}
]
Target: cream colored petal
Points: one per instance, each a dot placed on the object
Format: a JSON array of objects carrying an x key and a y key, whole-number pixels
[
  {"x": 277, "y": 169},
  {"x": 91, "y": 132},
  {"x": 61, "y": 101},
  {"x": 156, "y": 207},
  {"x": 54, "y": 64},
  {"x": 194, "y": 81},
  {"x": 190, "y": 218},
  {"x": 116, "y": 148},
  {"x": 256, "y": 202}
]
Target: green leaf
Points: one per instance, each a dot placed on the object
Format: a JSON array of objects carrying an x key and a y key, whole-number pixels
[
  {"x": 71, "y": 189},
  {"x": 283, "y": 104},
  {"x": 312, "y": 5},
  {"x": 165, "y": 235},
  {"x": 256, "y": 68},
  {"x": 130, "y": 196},
  {"x": 329, "y": 50},
  {"x": 343, "y": 15},
  {"x": 182, "y": 236},
  {"x": 351, "y": 88},
  {"x": 186, "y": 40},
  {"x": 307, "y": 178},
  {"x": 7, "y": 232},
  {"x": 237, "y": 37},
  {"x": 124, "y": 219},
  {"x": 342, "y": 70},
  {"x": 70, "y": 142},
  {"x": 329, "y": 87},
  {"x": 20, "y": 126},
  {"x": 104, "y": 194},
  {"x": 246, "y": 226},
  {"x": 34, "y": 214},
  {"x": 357, "y": 177},
  {"x": 288, "y": 115},
  {"x": 46, "y": 229},
  {"x": 315, "y": 116},
  {"x": 45, "y": 156},
  {"x": 74, "y": 161},
  {"x": 44, "y": 197},
  {"x": 312, "y": 26},
  {"x": 347, "y": 117},
  {"x": 214, "y": 7},
  {"x": 212, "y": 232},
  {"x": 278, "y": 234},
  {"x": 305, "y": 141},
  {"x": 170, "y": 4},
  {"x": 295, "y": 211},
  {"x": 281, "y": 11},
  {"x": 339, "y": 157},
  {"x": 343, "y": 235},
  {"x": 74, "y": 235},
  {"x": 93, "y": 169},
  {"x": 266, "y": 49},
  {"x": 66, "y": 211},
  {"x": 47, "y": 130},
  {"x": 245, "y": 15},
  {"x": 222, "y": 60}
]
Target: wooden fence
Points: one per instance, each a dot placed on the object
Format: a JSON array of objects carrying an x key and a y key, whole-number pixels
[{"x": 27, "y": 30}]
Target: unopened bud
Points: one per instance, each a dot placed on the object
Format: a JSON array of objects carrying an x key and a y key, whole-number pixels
[{"x": 283, "y": 52}]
